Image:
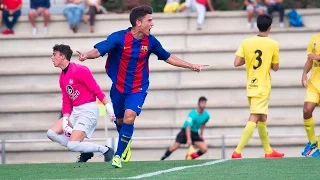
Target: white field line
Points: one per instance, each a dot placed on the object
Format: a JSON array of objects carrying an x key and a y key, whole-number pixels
[{"x": 210, "y": 163}]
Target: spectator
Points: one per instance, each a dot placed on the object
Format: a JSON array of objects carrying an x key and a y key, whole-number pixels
[
  {"x": 13, "y": 8},
  {"x": 173, "y": 6},
  {"x": 0, "y": 17},
  {"x": 199, "y": 6},
  {"x": 276, "y": 5},
  {"x": 2, "y": 7},
  {"x": 94, "y": 9},
  {"x": 39, "y": 7},
  {"x": 73, "y": 12},
  {"x": 254, "y": 7}
]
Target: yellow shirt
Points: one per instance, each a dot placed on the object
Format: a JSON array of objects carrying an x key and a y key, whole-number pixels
[
  {"x": 259, "y": 53},
  {"x": 314, "y": 48}
]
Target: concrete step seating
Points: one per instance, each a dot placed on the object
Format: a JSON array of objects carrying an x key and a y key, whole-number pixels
[
  {"x": 159, "y": 99},
  {"x": 32, "y": 100},
  {"x": 287, "y": 38},
  {"x": 24, "y": 64},
  {"x": 218, "y": 20},
  {"x": 209, "y": 79}
]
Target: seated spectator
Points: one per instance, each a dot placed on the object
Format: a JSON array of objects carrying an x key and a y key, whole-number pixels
[
  {"x": 2, "y": 7},
  {"x": 199, "y": 6},
  {"x": 94, "y": 9},
  {"x": 73, "y": 12},
  {"x": 254, "y": 7},
  {"x": 39, "y": 7},
  {"x": 276, "y": 5},
  {"x": 0, "y": 17},
  {"x": 13, "y": 8},
  {"x": 173, "y": 6}
]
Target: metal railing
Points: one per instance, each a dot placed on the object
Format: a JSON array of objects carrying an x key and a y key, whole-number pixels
[{"x": 112, "y": 142}]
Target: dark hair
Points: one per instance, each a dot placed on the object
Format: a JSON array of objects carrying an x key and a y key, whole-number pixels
[
  {"x": 202, "y": 98},
  {"x": 138, "y": 13},
  {"x": 63, "y": 49},
  {"x": 264, "y": 21}
]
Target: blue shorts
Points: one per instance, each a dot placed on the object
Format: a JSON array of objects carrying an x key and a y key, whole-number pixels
[{"x": 123, "y": 101}]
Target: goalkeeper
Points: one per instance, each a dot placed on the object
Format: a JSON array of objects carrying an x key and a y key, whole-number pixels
[{"x": 189, "y": 133}]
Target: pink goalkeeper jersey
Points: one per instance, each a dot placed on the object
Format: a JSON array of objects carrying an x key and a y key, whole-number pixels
[{"x": 78, "y": 87}]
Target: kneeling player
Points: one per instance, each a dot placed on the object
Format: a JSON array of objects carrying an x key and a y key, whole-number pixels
[
  {"x": 79, "y": 108},
  {"x": 189, "y": 133}
]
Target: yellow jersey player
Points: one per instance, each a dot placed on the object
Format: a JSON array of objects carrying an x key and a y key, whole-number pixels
[
  {"x": 259, "y": 53},
  {"x": 312, "y": 98}
]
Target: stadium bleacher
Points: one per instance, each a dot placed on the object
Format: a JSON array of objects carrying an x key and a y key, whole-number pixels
[{"x": 31, "y": 100}]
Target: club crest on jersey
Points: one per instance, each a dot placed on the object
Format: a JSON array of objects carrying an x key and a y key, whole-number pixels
[
  {"x": 70, "y": 81},
  {"x": 72, "y": 94},
  {"x": 144, "y": 48}
]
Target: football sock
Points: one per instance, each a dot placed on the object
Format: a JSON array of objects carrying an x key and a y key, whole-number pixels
[
  {"x": 124, "y": 137},
  {"x": 264, "y": 137},
  {"x": 319, "y": 142},
  {"x": 59, "y": 138},
  {"x": 246, "y": 136},
  {"x": 197, "y": 154},
  {"x": 166, "y": 154},
  {"x": 309, "y": 127},
  {"x": 85, "y": 147},
  {"x": 118, "y": 126}
]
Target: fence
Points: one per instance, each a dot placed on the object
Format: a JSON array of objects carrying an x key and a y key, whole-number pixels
[{"x": 112, "y": 142}]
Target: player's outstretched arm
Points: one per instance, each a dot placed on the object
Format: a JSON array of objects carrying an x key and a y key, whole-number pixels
[
  {"x": 94, "y": 53},
  {"x": 175, "y": 61},
  {"x": 238, "y": 61}
]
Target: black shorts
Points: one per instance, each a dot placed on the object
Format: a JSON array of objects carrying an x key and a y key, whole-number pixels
[{"x": 182, "y": 138}]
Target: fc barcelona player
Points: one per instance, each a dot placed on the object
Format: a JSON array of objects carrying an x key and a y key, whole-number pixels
[{"x": 128, "y": 67}]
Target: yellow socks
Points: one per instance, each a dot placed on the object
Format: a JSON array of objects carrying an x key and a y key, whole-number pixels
[
  {"x": 246, "y": 136},
  {"x": 264, "y": 137},
  {"x": 309, "y": 127}
]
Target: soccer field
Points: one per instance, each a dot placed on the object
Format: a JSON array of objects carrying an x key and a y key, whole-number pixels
[{"x": 287, "y": 168}]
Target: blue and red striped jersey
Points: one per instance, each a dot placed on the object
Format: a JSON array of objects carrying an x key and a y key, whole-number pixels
[{"x": 128, "y": 59}]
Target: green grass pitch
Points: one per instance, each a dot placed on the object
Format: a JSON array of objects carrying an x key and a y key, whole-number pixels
[{"x": 269, "y": 169}]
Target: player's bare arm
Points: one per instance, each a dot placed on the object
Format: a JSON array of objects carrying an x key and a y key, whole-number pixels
[
  {"x": 275, "y": 67},
  {"x": 175, "y": 61},
  {"x": 307, "y": 68},
  {"x": 201, "y": 130},
  {"x": 188, "y": 134},
  {"x": 238, "y": 61},
  {"x": 93, "y": 54},
  {"x": 313, "y": 57}
]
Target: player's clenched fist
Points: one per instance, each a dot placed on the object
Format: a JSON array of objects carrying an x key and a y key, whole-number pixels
[
  {"x": 197, "y": 67},
  {"x": 82, "y": 57},
  {"x": 110, "y": 111}
]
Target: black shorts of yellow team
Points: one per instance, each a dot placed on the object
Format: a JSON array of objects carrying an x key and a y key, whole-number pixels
[{"x": 182, "y": 138}]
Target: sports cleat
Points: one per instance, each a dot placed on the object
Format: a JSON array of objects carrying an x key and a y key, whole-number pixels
[
  {"x": 126, "y": 155},
  {"x": 84, "y": 157},
  {"x": 316, "y": 153},
  {"x": 108, "y": 155},
  {"x": 274, "y": 154},
  {"x": 116, "y": 161},
  {"x": 308, "y": 149},
  {"x": 235, "y": 155}
]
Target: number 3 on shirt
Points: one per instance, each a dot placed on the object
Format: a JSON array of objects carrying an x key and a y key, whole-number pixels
[{"x": 259, "y": 52}]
